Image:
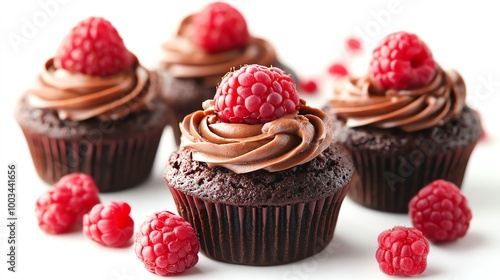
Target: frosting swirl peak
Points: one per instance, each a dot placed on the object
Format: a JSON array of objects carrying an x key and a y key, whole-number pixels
[
  {"x": 361, "y": 103},
  {"x": 79, "y": 97},
  {"x": 274, "y": 146}
]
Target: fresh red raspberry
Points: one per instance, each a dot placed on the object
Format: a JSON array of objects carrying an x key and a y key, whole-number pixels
[
  {"x": 308, "y": 85},
  {"x": 219, "y": 27},
  {"x": 353, "y": 45},
  {"x": 402, "y": 61},
  {"x": 62, "y": 207},
  {"x": 93, "y": 47},
  {"x": 402, "y": 251},
  {"x": 338, "y": 70},
  {"x": 255, "y": 94},
  {"x": 109, "y": 224},
  {"x": 440, "y": 211},
  {"x": 166, "y": 244}
]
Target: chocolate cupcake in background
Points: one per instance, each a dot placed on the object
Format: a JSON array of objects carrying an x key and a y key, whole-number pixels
[
  {"x": 95, "y": 112},
  {"x": 405, "y": 124},
  {"x": 207, "y": 45},
  {"x": 259, "y": 179}
]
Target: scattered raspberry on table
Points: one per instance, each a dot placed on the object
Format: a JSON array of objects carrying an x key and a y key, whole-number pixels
[
  {"x": 440, "y": 211},
  {"x": 61, "y": 208},
  {"x": 338, "y": 70},
  {"x": 353, "y": 45},
  {"x": 166, "y": 244},
  {"x": 109, "y": 224},
  {"x": 308, "y": 86},
  {"x": 402, "y": 251}
]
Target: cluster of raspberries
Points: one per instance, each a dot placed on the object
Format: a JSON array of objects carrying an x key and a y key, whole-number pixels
[
  {"x": 439, "y": 213},
  {"x": 165, "y": 243}
]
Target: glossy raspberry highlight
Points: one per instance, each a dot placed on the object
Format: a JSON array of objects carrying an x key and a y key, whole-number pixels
[
  {"x": 61, "y": 208},
  {"x": 440, "y": 211},
  {"x": 255, "y": 94},
  {"x": 166, "y": 244},
  {"x": 402, "y": 61},
  {"x": 219, "y": 27},
  {"x": 93, "y": 47},
  {"x": 402, "y": 251},
  {"x": 109, "y": 224}
]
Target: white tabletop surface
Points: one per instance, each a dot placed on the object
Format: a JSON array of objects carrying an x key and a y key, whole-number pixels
[{"x": 309, "y": 36}]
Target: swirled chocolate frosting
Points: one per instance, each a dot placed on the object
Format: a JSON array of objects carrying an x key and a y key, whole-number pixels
[
  {"x": 361, "y": 103},
  {"x": 274, "y": 146},
  {"x": 79, "y": 97}
]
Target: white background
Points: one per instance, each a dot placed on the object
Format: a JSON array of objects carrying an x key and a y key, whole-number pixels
[{"x": 308, "y": 35}]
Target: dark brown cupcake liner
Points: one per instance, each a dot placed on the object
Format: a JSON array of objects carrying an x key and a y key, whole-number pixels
[
  {"x": 388, "y": 182},
  {"x": 261, "y": 235},
  {"x": 115, "y": 164}
]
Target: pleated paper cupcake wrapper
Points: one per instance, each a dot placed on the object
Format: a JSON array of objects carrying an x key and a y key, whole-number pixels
[
  {"x": 115, "y": 164},
  {"x": 269, "y": 235},
  {"x": 389, "y": 183}
]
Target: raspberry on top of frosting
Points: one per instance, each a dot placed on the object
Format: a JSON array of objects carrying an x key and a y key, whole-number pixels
[
  {"x": 184, "y": 56},
  {"x": 80, "y": 88},
  {"x": 404, "y": 89},
  {"x": 255, "y": 94},
  {"x": 402, "y": 61},
  {"x": 219, "y": 27},
  {"x": 284, "y": 141},
  {"x": 93, "y": 47}
]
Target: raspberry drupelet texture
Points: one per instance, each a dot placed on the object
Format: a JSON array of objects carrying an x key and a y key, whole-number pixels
[
  {"x": 402, "y": 61},
  {"x": 219, "y": 27},
  {"x": 62, "y": 207},
  {"x": 109, "y": 224},
  {"x": 166, "y": 244},
  {"x": 402, "y": 251},
  {"x": 93, "y": 47},
  {"x": 440, "y": 211},
  {"x": 255, "y": 94}
]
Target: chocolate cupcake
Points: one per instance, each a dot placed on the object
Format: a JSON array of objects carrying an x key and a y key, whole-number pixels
[
  {"x": 96, "y": 116},
  {"x": 194, "y": 59},
  {"x": 262, "y": 188},
  {"x": 405, "y": 124}
]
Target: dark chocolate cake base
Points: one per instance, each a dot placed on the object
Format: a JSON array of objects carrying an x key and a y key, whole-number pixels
[
  {"x": 261, "y": 218},
  {"x": 117, "y": 154},
  {"x": 394, "y": 165}
]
